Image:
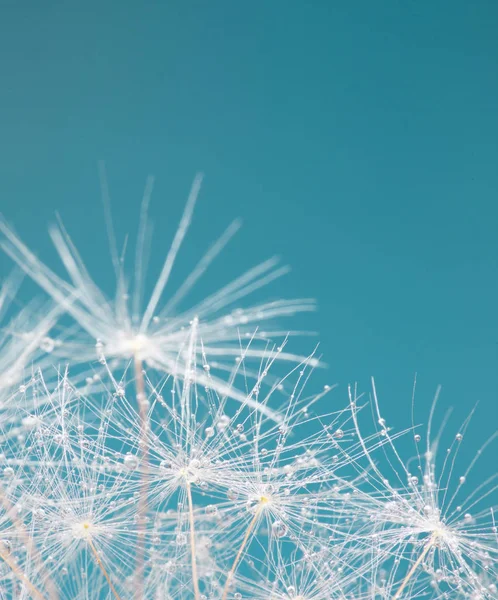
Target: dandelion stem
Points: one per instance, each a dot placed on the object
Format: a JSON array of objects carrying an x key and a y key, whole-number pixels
[
  {"x": 231, "y": 573},
  {"x": 28, "y": 541},
  {"x": 103, "y": 569},
  {"x": 18, "y": 572},
  {"x": 195, "y": 577},
  {"x": 142, "y": 502},
  {"x": 414, "y": 568}
]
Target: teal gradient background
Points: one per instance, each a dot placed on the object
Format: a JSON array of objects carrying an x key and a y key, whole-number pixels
[{"x": 359, "y": 140}]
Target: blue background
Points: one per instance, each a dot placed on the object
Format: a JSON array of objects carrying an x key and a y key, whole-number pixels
[{"x": 356, "y": 139}]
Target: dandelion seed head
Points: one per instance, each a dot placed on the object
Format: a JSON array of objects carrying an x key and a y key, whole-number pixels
[
  {"x": 132, "y": 345},
  {"x": 177, "y": 462},
  {"x": 83, "y": 530}
]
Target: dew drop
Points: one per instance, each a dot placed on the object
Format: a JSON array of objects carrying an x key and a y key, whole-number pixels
[
  {"x": 47, "y": 344},
  {"x": 130, "y": 462},
  {"x": 8, "y": 473},
  {"x": 278, "y": 529},
  {"x": 232, "y": 494},
  {"x": 223, "y": 422},
  {"x": 252, "y": 504}
]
